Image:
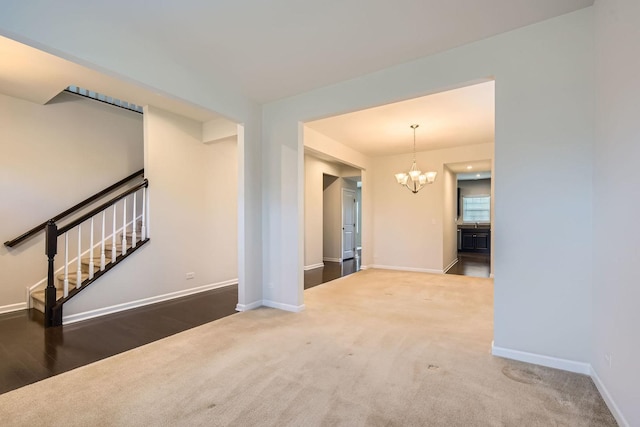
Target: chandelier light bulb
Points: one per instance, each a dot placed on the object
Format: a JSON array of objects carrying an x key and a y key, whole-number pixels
[{"x": 418, "y": 179}]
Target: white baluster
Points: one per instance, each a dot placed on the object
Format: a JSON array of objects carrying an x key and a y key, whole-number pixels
[
  {"x": 143, "y": 230},
  {"x": 65, "y": 291},
  {"x": 102, "y": 243},
  {"x": 79, "y": 270},
  {"x": 91, "y": 265},
  {"x": 113, "y": 236},
  {"x": 133, "y": 233},
  {"x": 124, "y": 228}
]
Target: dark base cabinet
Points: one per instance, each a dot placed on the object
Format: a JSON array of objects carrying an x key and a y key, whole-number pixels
[{"x": 475, "y": 240}]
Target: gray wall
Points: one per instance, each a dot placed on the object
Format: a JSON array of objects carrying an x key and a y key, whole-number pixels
[{"x": 615, "y": 349}]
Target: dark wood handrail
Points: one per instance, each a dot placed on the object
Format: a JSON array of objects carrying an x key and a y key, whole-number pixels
[
  {"x": 102, "y": 207},
  {"x": 37, "y": 229}
]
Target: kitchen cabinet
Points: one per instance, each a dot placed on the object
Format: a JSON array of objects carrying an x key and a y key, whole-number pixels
[{"x": 475, "y": 240}]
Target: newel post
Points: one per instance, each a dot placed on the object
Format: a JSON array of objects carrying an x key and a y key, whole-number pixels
[{"x": 51, "y": 248}]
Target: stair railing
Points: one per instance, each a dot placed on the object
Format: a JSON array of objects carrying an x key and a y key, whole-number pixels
[
  {"x": 118, "y": 249},
  {"x": 35, "y": 230},
  {"x": 53, "y": 305}
]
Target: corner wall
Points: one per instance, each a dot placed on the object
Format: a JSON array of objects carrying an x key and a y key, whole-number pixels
[
  {"x": 193, "y": 221},
  {"x": 410, "y": 229},
  {"x": 314, "y": 169},
  {"x": 615, "y": 346}
]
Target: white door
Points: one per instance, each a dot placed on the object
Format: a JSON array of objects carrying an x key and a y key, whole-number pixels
[{"x": 348, "y": 223}]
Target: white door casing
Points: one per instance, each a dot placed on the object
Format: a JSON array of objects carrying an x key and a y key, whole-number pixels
[{"x": 348, "y": 223}]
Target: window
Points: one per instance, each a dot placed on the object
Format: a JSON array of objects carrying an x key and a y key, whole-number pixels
[{"x": 476, "y": 209}]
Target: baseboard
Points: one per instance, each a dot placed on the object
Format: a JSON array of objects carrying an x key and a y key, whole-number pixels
[
  {"x": 615, "y": 411},
  {"x": 491, "y": 276},
  {"x": 454, "y": 262},
  {"x": 13, "y": 307},
  {"x": 281, "y": 306},
  {"x": 417, "y": 270},
  {"x": 542, "y": 360},
  {"x": 250, "y": 306},
  {"x": 332, "y": 259},
  {"x": 313, "y": 266},
  {"x": 364, "y": 267},
  {"x": 73, "y": 318}
]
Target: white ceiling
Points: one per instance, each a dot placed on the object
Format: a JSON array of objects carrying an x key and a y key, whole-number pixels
[
  {"x": 37, "y": 76},
  {"x": 278, "y": 48},
  {"x": 457, "y": 117}
]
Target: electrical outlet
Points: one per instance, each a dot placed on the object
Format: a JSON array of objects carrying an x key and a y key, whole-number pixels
[
  {"x": 191, "y": 275},
  {"x": 607, "y": 358}
]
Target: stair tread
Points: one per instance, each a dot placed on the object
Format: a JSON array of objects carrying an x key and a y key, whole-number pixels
[
  {"x": 73, "y": 276},
  {"x": 39, "y": 295}
]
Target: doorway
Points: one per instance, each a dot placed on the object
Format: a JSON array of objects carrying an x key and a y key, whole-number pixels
[{"x": 473, "y": 213}]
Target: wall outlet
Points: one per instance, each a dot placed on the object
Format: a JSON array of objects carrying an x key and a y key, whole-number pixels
[
  {"x": 191, "y": 275},
  {"x": 607, "y": 358}
]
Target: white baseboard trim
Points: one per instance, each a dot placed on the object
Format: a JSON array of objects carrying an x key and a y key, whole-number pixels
[
  {"x": 281, "y": 306},
  {"x": 313, "y": 266},
  {"x": 13, "y": 307},
  {"x": 413, "y": 269},
  {"x": 491, "y": 276},
  {"x": 447, "y": 268},
  {"x": 332, "y": 259},
  {"x": 73, "y": 318},
  {"x": 364, "y": 267},
  {"x": 615, "y": 411},
  {"x": 250, "y": 306},
  {"x": 542, "y": 360}
]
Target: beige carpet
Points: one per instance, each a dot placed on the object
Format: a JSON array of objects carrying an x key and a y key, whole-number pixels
[{"x": 377, "y": 348}]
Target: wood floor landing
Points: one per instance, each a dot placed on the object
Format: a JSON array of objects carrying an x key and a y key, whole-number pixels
[
  {"x": 30, "y": 353},
  {"x": 470, "y": 264}
]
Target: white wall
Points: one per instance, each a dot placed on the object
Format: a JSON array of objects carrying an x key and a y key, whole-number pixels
[
  {"x": 117, "y": 54},
  {"x": 192, "y": 218},
  {"x": 544, "y": 112},
  {"x": 409, "y": 228},
  {"x": 316, "y": 230},
  {"x": 449, "y": 228},
  {"x": 615, "y": 250},
  {"x": 53, "y": 157},
  {"x": 314, "y": 169}
]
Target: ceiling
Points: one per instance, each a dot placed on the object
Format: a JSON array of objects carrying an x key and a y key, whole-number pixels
[
  {"x": 37, "y": 76},
  {"x": 274, "y": 49},
  {"x": 457, "y": 117}
]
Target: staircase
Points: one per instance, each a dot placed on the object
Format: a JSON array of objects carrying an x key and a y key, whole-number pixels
[
  {"x": 100, "y": 239},
  {"x": 87, "y": 264}
]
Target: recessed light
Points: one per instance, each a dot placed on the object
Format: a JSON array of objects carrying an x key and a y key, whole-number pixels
[
  {"x": 469, "y": 167},
  {"x": 478, "y": 175}
]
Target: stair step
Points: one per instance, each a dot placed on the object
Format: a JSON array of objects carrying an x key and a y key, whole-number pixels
[
  {"x": 108, "y": 248},
  {"x": 72, "y": 279},
  {"x": 37, "y": 299},
  {"x": 84, "y": 263}
]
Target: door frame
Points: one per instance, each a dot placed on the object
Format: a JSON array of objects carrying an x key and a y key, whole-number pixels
[{"x": 344, "y": 190}]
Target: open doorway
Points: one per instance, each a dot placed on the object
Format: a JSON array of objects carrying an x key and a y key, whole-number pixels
[
  {"x": 332, "y": 224},
  {"x": 473, "y": 208}
]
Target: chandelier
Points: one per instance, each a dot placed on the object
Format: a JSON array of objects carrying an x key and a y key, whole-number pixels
[{"x": 414, "y": 180}]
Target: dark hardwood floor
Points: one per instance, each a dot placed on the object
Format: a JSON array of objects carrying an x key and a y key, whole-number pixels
[
  {"x": 330, "y": 271},
  {"x": 30, "y": 353},
  {"x": 472, "y": 264}
]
